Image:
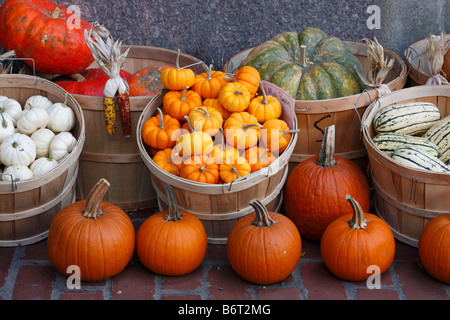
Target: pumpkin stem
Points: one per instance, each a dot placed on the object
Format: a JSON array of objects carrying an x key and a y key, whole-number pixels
[
  {"x": 209, "y": 72},
  {"x": 174, "y": 214},
  {"x": 246, "y": 126},
  {"x": 303, "y": 56},
  {"x": 263, "y": 218},
  {"x": 161, "y": 116},
  {"x": 94, "y": 200},
  {"x": 233, "y": 169},
  {"x": 178, "y": 59},
  {"x": 264, "y": 100},
  {"x": 326, "y": 156},
  {"x": 4, "y": 123},
  {"x": 205, "y": 112},
  {"x": 189, "y": 123},
  {"x": 358, "y": 220},
  {"x": 290, "y": 131},
  {"x": 183, "y": 93},
  {"x": 263, "y": 156},
  {"x": 236, "y": 92}
]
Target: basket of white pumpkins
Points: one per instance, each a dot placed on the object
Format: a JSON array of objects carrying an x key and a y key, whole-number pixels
[{"x": 41, "y": 137}]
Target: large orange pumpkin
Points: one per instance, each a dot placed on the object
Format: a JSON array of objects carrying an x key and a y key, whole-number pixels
[
  {"x": 434, "y": 248},
  {"x": 171, "y": 242},
  {"x": 316, "y": 188},
  {"x": 46, "y": 33},
  {"x": 354, "y": 242},
  {"x": 264, "y": 247},
  {"x": 92, "y": 234}
]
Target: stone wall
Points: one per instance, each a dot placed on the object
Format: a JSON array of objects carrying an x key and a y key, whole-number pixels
[{"x": 215, "y": 30}]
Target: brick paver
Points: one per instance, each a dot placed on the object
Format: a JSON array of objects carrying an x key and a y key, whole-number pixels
[{"x": 27, "y": 274}]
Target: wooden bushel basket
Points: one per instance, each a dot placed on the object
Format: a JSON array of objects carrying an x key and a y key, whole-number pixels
[
  {"x": 115, "y": 157},
  {"x": 407, "y": 198},
  {"x": 345, "y": 113},
  {"x": 416, "y": 58},
  {"x": 220, "y": 206},
  {"x": 27, "y": 207}
]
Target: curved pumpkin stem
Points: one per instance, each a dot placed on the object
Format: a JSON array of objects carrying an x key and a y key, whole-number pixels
[
  {"x": 326, "y": 156},
  {"x": 183, "y": 93},
  {"x": 178, "y": 59},
  {"x": 161, "y": 118},
  {"x": 262, "y": 215},
  {"x": 94, "y": 200},
  {"x": 246, "y": 126},
  {"x": 358, "y": 220},
  {"x": 174, "y": 214},
  {"x": 205, "y": 112},
  {"x": 264, "y": 100}
]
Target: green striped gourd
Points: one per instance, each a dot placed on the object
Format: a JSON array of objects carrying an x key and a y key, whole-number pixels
[
  {"x": 440, "y": 135},
  {"x": 309, "y": 65},
  {"x": 413, "y": 157},
  {"x": 411, "y": 118},
  {"x": 388, "y": 142}
]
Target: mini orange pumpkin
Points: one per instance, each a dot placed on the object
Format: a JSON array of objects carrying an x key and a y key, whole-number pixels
[
  {"x": 264, "y": 247},
  {"x": 250, "y": 78},
  {"x": 353, "y": 242},
  {"x": 200, "y": 169},
  {"x": 172, "y": 242},
  {"x": 177, "y": 78},
  {"x": 163, "y": 159},
  {"x": 195, "y": 142},
  {"x": 276, "y": 135},
  {"x": 208, "y": 84},
  {"x": 259, "y": 158},
  {"x": 241, "y": 130},
  {"x": 234, "y": 97},
  {"x": 229, "y": 172},
  {"x": 179, "y": 103},
  {"x": 214, "y": 103},
  {"x": 208, "y": 119},
  {"x": 223, "y": 152},
  {"x": 264, "y": 107},
  {"x": 92, "y": 234},
  {"x": 159, "y": 132}
]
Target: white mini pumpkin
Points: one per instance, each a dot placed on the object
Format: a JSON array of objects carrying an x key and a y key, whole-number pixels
[
  {"x": 62, "y": 144},
  {"x": 17, "y": 149},
  {"x": 42, "y": 139},
  {"x": 61, "y": 117},
  {"x": 32, "y": 120},
  {"x": 12, "y": 108},
  {"x": 18, "y": 172},
  {"x": 38, "y": 101},
  {"x": 43, "y": 165},
  {"x": 6, "y": 127}
]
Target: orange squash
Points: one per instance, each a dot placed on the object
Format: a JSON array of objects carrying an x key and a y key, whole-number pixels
[
  {"x": 234, "y": 97},
  {"x": 176, "y": 79},
  {"x": 207, "y": 118},
  {"x": 229, "y": 172},
  {"x": 208, "y": 84},
  {"x": 160, "y": 131},
  {"x": 265, "y": 107},
  {"x": 276, "y": 135},
  {"x": 179, "y": 103},
  {"x": 163, "y": 159},
  {"x": 214, "y": 103},
  {"x": 200, "y": 169},
  {"x": 250, "y": 78},
  {"x": 259, "y": 158},
  {"x": 241, "y": 130}
]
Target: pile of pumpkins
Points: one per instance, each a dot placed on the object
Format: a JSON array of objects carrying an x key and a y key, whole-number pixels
[
  {"x": 35, "y": 137},
  {"x": 214, "y": 127},
  {"x": 415, "y": 135}
]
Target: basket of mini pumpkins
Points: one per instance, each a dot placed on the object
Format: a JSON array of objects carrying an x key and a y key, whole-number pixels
[
  {"x": 219, "y": 141},
  {"x": 332, "y": 81},
  {"x": 41, "y": 138}
]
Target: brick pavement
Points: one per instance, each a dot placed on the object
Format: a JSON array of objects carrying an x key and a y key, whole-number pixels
[{"x": 27, "y": 274}]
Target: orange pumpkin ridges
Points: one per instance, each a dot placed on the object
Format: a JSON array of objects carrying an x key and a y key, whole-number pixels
[
  {"x": 160, "y": 131},
  {"x": 54, "y": 48},
  {"x": 172, "y": 242},
  {"x": 92, "y": 234},
  {"x": 354, "y": 242},
  {"x": 316, "y": 188},
  {"x": 262, "y": 247},
  {"x": 147, "y": 81}
]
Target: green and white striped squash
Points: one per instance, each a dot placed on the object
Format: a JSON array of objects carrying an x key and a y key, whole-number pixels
[
  {"x": 309, "y": 65},
  {"x": 389, "y": 142},
  {"x": 439, "y": 134},
  {"x": 416, "y": 158},
  {"x": 412, "y": 118}
]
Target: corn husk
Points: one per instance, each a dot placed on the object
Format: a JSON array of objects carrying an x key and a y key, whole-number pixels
[
  {"x": 436, "y": 49},
  {"x": 379, "y": 67}
]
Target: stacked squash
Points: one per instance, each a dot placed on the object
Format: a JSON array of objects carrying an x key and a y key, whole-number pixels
[
  {"x": 415, "y": 135},
  {"x": 214, "y": 127},
  {"x": 34, "y": 139}
]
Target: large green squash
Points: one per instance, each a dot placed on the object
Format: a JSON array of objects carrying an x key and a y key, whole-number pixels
[{"x": 308, "y": 65}]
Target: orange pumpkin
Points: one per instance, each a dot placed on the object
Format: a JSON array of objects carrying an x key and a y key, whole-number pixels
[
  {"x": 160, "y": 131},
  {"x": 259, "y": 158},
  {"x": 208, "y": 84},
  {"x": 434, "y": 248},
  {"x": 229, "y": 172},
  {"x": 234, "y": 97},
  {"x": 264, "y": 247},
  {"x": 250, "y": 78},
  {"x": 353, "y": 242},
  {"x": 177, "y": 78},
  {"x": 200, "y": 169},
  {"x": 223, "y": 152},
  {"x": 315, "y": 190},
  {"x": 264, "y": 107},
  {"x": 241, "y": 130},
  {"x": 214, "y": 103},
  {"x": 194, "y": 143},
  {"x": 171, "y": 242},
  {"x": 276, "y": 135},
  {"x": 92, "y": 234},
  {"x": 179, "y": 103},
  {"x": 208, "y": 119},
  {"x": 147, "y": 81},
  {"x": 163, "y": 159}
]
